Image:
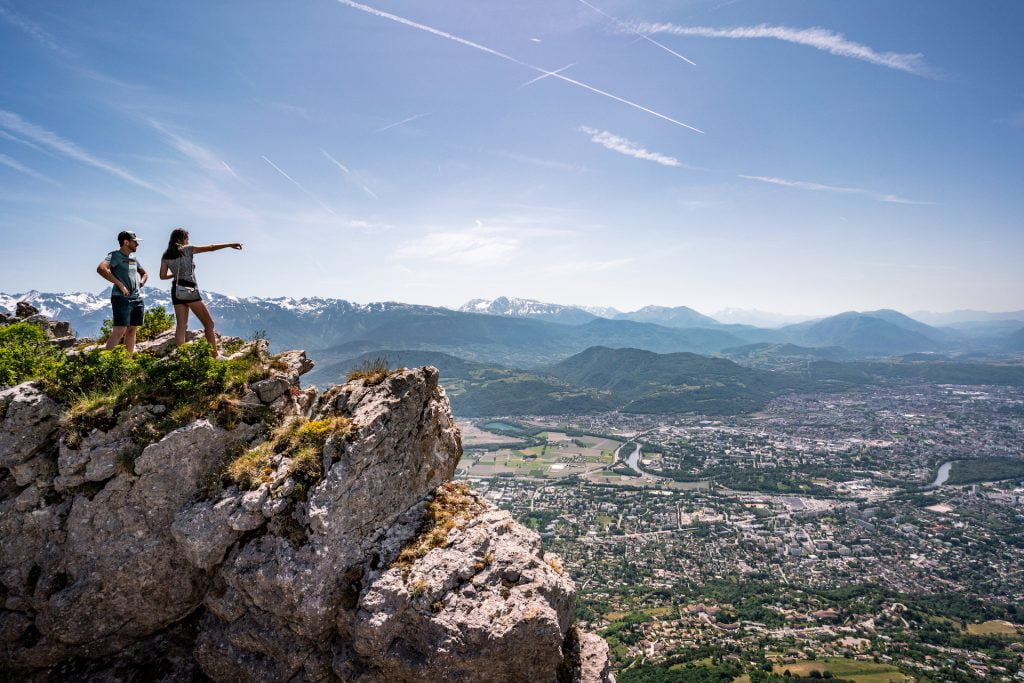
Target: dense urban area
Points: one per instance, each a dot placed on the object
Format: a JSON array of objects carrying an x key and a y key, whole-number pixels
[{"x": 868, "y": 536}]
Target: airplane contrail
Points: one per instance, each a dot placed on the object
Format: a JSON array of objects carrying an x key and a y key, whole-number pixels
[
  {"x": 296, "y": 184},
  {"x": 502, "y": 55},
  {"x": 349, "y": 174},
  {"x": 640, "y": 34},
  {"x": 399, "y": 123},
  {"x": 545, "y": 75}
]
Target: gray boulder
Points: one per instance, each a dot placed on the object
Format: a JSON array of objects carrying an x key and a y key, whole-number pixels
[{"x": 28, "y": 423}]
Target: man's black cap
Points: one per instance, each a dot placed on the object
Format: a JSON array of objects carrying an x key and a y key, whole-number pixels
[{"x": 126, "y": 235}]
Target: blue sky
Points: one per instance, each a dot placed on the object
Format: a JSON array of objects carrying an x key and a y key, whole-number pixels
[{"x": 851, "y": 155}]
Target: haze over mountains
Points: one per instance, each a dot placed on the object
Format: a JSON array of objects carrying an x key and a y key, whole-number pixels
[{"x": 525, "y": 333}]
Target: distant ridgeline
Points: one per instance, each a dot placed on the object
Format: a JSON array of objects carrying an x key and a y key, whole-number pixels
[
  {"x": 634, "y": 381},
  {"x": 528, "y": 334},
  {"x": 574, "y": 360}
]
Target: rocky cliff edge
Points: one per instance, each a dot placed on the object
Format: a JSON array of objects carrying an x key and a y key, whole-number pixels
[{"x": 312, "y": 537}]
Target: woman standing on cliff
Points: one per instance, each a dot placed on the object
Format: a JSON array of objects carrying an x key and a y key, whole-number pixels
[{"x": 177, "y": 264}]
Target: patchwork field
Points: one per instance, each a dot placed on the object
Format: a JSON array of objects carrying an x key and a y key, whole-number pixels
[
  {"x": 851, "y": 669},
  {"x": 551, "y": 455},
  {"x": 538, "y": 451},
  {"x": 996, "y": 627}
]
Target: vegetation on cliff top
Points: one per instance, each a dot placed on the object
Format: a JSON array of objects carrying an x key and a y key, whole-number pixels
[{"x": 97, "y": 386}]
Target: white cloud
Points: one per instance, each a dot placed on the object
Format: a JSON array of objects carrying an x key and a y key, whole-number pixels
[
  {"x": 31, "y": 145},
  {"x": 40, "y": 135},
  {"x": 371, "y": 227},
  {"x": 819, "y": 187},
  {"x": 568, "y": 267},
  {"x": 536, "y": 161},
  {"x": 818, "y": 38},
  {"x": 473, "y": 247},
  {"x": 202, "y": 156},
  {"x": 627, "y": 147},
  {"x": 291, "y": 109},
  {"x": 642, "y": 35},
  {"x": 17, "y": 166},
  {"x": 35, "y": 31}
]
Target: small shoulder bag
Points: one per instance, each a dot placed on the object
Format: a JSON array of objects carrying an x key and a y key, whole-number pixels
[{"x": 186, "y": 290}]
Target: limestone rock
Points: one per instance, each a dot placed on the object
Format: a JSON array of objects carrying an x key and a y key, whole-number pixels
[
  {"x": 487, "y": 606},
  {"x": 107, "y": 568},
  {"x": 296, "y": 363},
  {"x": 28, "y": 423},
  {"x": 112, "y": 554},
  {"x": 164, "y": 343},
  {"x": 203, "y": 531},
  {"x": 594, "y": 662}
]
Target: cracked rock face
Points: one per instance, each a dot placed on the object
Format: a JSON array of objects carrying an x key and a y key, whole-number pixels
[
  {"x": 486, "y": 604},
  {"x": 113, "y": 554}
]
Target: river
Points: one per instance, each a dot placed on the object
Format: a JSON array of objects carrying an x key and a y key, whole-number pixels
[
  {"x": 942, "y": 475},
  {"x": 634, "y": 461}
]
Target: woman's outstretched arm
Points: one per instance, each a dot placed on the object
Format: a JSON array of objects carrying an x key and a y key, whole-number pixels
[{"x": 216, "y": 247}]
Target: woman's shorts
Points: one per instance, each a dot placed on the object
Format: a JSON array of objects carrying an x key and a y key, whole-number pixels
[{"x": 127, "y": 312}]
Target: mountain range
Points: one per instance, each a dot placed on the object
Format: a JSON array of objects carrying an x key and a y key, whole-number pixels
[{"x": 529, "y": 334}]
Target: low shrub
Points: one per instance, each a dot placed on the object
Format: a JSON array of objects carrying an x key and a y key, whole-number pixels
[
  {"x": 25, "y": 354},
  {"x": 155, "y": 321}
]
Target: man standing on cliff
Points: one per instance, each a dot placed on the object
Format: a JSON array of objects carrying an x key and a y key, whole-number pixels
[{"x": 128, "y": 277}]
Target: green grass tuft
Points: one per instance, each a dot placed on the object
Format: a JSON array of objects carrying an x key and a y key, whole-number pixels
[{"x": 371, "y": 371}]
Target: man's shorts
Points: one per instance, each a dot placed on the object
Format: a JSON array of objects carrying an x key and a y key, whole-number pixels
[{"x": 127, "y": 312}]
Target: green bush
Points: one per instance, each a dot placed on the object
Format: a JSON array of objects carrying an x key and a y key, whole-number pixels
[
  {"x": 94, "y": 372},
  {"x": 190, "y": 372},
  {"x": 155, "y": 321},
  {"x": 25, "y": 354}
]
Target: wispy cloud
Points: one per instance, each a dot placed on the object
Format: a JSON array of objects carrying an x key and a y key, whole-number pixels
[
  {"x": 292, "y": 109},
  {"x": 298, "y": 185},
  {"x": 41, "y": 136},
  {"x": 640, "y": 34},
  {"x": 58, "y": 50},
  {"x": 818, "y": 38},
  {"x": 31, "y": 145},
  {"x": 401, "y": 123},
  {"x": 17, "y": 166},
  {"x": 35, "y": 31},
  {"x": 536, "y": 161},
  {"x": 350, "y": 175},
  {"x": 509, "y": 58},
  {"x": 199, "y": 154},
  {"x": 372, "y": 227},
  {"x": 628, "y": 147},
  {"x": 477, "y": 246},
  {"x": 594, "y": 266},
  {"x": 819, "y": 187}
]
